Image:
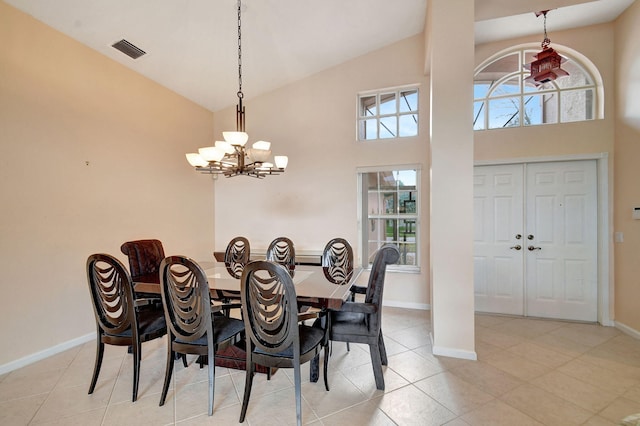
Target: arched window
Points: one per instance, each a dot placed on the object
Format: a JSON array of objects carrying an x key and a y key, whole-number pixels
[{"x": 503, "y": 98}]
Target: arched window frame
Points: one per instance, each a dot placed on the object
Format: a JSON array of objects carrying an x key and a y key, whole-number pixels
[{"x": 551, "y": 92}]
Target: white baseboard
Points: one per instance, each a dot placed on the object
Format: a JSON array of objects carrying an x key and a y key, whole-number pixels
[
  {"x": 30, "y": 359},
  {"x": 396, "y": 304},
  {"x": 627, "y": 330},
  {"x": 455, "y": 353}
]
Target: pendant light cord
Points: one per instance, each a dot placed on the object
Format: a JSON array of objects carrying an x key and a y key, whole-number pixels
[{"x": 240, "y": 94}]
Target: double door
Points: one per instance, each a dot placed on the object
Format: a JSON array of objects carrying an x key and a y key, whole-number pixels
[{"x": 535, "y": 239}]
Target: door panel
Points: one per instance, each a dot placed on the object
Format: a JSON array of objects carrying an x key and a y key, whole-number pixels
[
  {"x": 561, "y": 270},
  {"x": 498, "y": 217}
]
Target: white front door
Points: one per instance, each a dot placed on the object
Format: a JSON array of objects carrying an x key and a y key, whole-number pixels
[
  {"x": 561, "y": 227},
  {"x": 498, "y": 239},
  {"x": 535, "y": 245}
]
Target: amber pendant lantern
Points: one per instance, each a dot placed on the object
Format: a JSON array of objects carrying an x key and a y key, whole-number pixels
[{"x": 547, "y": 66}]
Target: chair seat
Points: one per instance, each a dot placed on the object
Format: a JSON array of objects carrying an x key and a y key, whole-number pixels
[
  {"x": 349, "y": 323},
  {"x": 223, "y": 329},
  {"x": 310, "y": 338}
]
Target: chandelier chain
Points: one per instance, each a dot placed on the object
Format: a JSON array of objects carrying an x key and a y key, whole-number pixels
[
  {"x": 240, "y": 94},
  {"x": 546, "y": 42}
]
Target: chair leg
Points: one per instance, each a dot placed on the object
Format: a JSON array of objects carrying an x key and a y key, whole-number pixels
[
  {"x": 184, "y": 360},
  {"x": 298, "y": 385},
  {"x": 212, "y": 378},
  {"x": 247, "y": 387},
  {"x": 377, "y": 366},
  {"x": 167, "y": 374},
  {"x": 326, "y": 366},
  {"x": 383, "y": 350},
  {"x": 98, "y": 364},
  {"x": 136, "y": 369}
]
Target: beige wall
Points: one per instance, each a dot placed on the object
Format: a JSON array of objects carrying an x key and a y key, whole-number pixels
[
  {"x": 627, "y": 172},
  {"x": 62, "y": 105},
  {"x": 313, "y": 122}
]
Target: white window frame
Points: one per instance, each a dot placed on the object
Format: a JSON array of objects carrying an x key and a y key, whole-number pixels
[
  {"x": 364, "y": 216},
  {"x": 553, "y": 90},
  {"x": 380, "y": 117}
]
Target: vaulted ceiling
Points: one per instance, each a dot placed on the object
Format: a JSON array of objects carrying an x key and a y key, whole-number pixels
[{"x": 192, "y": 45}]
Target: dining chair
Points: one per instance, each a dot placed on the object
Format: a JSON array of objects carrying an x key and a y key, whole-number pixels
[
  {"x": 275, "y": 335},
  {"x": 193, "y": 327},
  {"x": 119, "y": 320},
  {"x": 281, "y": 250},
  {"x": 236, "y": 256},
  {"x": 360, "y": 322},
  {"x": 337, "y": 261},
  {"x": 144, "y": 262}
]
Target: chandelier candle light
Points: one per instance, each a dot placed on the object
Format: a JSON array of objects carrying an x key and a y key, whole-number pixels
[
  {"x": 230, "y": 157},
  {"x": 546, "y": 67}
]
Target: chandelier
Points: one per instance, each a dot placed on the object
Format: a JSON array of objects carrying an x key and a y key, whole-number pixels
[
  {"x": 546, "y": 67},
  {"x": 231, "y": 157}
]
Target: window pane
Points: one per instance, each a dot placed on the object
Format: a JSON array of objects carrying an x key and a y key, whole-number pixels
[
  {"x": 504, "y": 113},
  {"x": 508, "y": 87},
  {"x": 499, "y": 68},
  {"x": 372, "y": 181},
  {"x": 478, "y": 115},
  {"x": 388, "y": 180},
  {"x": 388, "y": 103},
  {"x": 368, "y": 106},
  {"x": 407, "y": 203},
  {"x": 480, "y": 90},
  {"x": 368, "y": 129},
  {"x": 541, "y": 109},
  {"x": 409, "y": 101},
  {"x": 576, "y": 78},
  {"x": 388, "y": 127},
  {"x": 406, "y": 178},
  {"x": 408, "y": 253},
  {"x": 577, "y": 105},
  {"x": 374, "y": 204},
  {"x": 390, "y": 202},
  {"x": 408, "y": 125}
]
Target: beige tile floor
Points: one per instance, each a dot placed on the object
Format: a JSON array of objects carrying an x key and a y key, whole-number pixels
[{"x": 529, "y": 372}]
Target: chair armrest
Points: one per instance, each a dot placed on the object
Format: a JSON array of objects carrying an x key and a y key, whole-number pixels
[
  {"x": 358, "y": 289},
  {"x": 362, "y": 308},
  {"x": 310, "y": 314}
]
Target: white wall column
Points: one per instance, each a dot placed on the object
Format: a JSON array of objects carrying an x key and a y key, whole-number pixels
[{"x": 450, "y": 41}]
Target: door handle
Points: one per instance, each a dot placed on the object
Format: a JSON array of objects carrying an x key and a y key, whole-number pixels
[
  {"x": 532, "y": 248},
  {"x": 516, "y": 247}
]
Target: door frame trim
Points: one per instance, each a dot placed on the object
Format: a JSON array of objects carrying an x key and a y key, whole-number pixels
[{"x": 605, "y": 226}]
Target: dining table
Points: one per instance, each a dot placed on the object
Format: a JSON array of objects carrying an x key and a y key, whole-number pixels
[{"x": 310, "y": 283}]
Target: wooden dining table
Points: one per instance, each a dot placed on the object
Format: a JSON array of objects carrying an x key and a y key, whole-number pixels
[
  {"x": 310, "y": 284},
  {"x": 309, "y": 281}
]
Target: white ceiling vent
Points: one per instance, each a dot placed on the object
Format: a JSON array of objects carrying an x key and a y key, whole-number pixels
[{"x": 129, "y": 49}]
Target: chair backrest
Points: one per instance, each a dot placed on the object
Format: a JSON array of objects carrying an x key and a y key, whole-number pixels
[
  {"x": 269, "y": 307},
  {"x": 282, "y": 251},
  {"x": 237, "y": 256},
  {"x": 144, "y": 259},
  {"x": 186, "y": 299},
  {"x": 386, "y": 255},
  {"x": 112, "y": 294},
  {"x": 337, "y": 261}
]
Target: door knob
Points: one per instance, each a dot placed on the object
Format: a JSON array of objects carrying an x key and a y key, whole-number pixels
[
  {"x": 532, "y": 248},
  {"x": 516, "y": 247},
  {"x": 530, "y": 237},
  {"x": 518, "y": 236}
]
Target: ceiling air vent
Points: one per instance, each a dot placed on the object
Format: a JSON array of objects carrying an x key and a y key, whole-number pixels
[{"x": 129, "y": 49}]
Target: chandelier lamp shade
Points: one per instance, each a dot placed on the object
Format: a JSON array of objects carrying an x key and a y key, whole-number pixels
[
  {"x": 547, "y": 65},
  {"x": 231, "y": 157}
]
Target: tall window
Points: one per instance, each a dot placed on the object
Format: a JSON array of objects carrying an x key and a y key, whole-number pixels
[
  {"x": 389, "y": 212},
  {"x": 388, "y": 114},
  {"x": 503, "y": 98}
]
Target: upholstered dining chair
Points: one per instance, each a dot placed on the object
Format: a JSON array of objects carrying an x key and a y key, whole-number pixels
[
  {"x": 193, "y": 328},
  {"x": 360, "y": 322},
  {"x": 144, "y": 262},
  {"x": 275, "y": 337},
  {"x": 281, "y": 250},
  {"x": 119, "y": 320}
]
